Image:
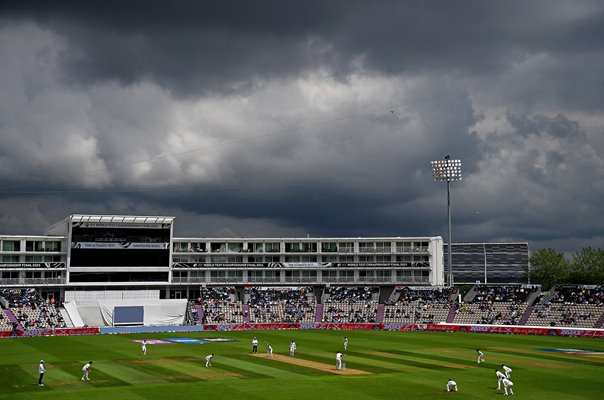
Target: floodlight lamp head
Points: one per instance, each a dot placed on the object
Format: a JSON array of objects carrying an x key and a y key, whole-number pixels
[{"x": 446, "y": 170}]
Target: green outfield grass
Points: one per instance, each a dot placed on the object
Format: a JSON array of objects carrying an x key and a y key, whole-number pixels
[{"x": 413, "y": 365}]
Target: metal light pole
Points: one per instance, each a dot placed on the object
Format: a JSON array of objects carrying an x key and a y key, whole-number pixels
[{"x": 447, "y": 170}]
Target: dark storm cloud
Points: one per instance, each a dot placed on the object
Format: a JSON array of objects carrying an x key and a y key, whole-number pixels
[
  {"x": 558, "y": 126},
  {"x": 200, "y": 46},
  {"x": 286, "y": 118}
]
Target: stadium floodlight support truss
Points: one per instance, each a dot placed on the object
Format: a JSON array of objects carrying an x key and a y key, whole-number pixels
[{"x": 447, "y": 170}]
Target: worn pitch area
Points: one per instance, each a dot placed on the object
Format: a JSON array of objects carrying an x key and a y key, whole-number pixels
[{"x": 313, "y": 364}]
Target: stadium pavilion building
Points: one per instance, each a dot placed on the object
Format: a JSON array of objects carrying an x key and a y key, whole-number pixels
[{"x": 92, "y": 253}]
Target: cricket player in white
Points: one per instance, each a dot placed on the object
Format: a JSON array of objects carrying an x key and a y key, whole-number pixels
[
  {"x": 507, "y": 385},
  {"x": 269, "y": 350},
  {"x": 41, "y": 371},
  {"x": 451, "y": 386},
  {"x": 144, "y": 347},
  {"x": 254, "y": 345},
  {"x": 507, "y": 370},
  {"x": 339, "y": 360},
  {"x": 209, "y": 360},
  {"x": 86, "y": 371},
  {"x": 345, "y": 343},
  {"x": 480, "y": 356},
  {"x": 292, "y": 348},
  {"x": 500, "y": 377}
]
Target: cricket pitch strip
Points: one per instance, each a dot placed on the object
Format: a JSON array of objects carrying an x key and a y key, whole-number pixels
[{"x": 313, "y": 364}]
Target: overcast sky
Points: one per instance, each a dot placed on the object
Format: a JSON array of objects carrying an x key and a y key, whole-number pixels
[{"x": 282, "y": 118}]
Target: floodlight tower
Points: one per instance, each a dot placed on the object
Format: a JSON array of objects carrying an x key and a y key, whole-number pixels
[{"x": 447, "y": 170}]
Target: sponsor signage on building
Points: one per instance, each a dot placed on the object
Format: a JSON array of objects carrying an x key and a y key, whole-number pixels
[
  {"x": 27, "y": 265},
  {"x": 302, "y": 265},
  {"x": 120, "y": 245},
  {"x": 120, "y": 225}
]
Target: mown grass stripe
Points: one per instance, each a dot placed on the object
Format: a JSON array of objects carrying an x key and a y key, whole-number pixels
[
  {"x": 129, "y": 374},
  {"x": 394, "y": 361},
  {"x": 545, "y": 356},
  {"x": 287, "y": 369},
  {"x": 435, "y": 357},
  {"x": 246, "y": 366}
]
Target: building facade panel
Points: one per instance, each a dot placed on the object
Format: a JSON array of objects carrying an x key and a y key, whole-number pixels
[{"x": 84, "y": 251}]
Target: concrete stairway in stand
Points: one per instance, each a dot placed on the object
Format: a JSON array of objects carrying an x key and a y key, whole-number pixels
[
  {"x": 199, "y": 310},
  {"x": 451, "y": 315},
  {"x": 380, "y": 313},
  {"x": 12, "y": 318},
  {"x": 526, "y": 315},
  {"x": 319, "y": 313},
  {"x": 600, "y": 322},
  {"x": 246, "y": 313}
]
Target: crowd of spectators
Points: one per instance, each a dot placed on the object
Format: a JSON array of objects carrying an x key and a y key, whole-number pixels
[
  {"x": 349, "y": 294},
  {"x": 281, "y": 305},
  {"x": 418, "y": 306},
  {"x": 579, "y": 295},
  {"x": 578, "y": 306},
  {"x": 489, "y": 294},
  {"x": 496, "y": 313},
  {"x": 349, "y": 305},
  {"x": 494, "y": 305},
  {"x": 220, "y": 305},
  {"x": 31, "y": 310}
]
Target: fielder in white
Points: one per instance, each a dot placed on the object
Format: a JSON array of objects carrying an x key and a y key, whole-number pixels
[
  {"x": 269, "y": 350},
  {"x": 507, "y": 370},
  {"x": 292, "y": 348},
  {"x": 500, "y": 377},
  {"x": 339, "y": 360},
  {"x": 507, "y": 386},
  {"x": 479, "y": 356},
  {"x": 144, "y": 347},
  {"x": 86, "y": 371},
  {"x": 345, "y": 343},
  {"x": 451, "y": 386},
  {"x": 209, "y": 360}
]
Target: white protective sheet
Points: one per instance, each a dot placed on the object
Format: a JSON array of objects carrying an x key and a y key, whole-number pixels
[
  {"x": 74, "y": 315},
  {"x": 157, "y": 312}
]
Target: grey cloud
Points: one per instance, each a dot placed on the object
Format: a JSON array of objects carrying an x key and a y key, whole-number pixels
[
  {"x": 201, "y": 47},
  {"x": 260, "y": 119},
  {"x": 558, "y": 126}
]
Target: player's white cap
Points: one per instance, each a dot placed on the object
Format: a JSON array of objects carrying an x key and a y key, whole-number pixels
[{"x": 41, "y": 361}]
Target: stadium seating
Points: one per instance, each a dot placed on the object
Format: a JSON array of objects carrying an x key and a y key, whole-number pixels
[
  {"x": 500, "y": 305},
  {"x": 418, "y": 306},
  {"x": 293, "y": 305},
  {"x": 569, "y": 305},
  {"x": 220, "y": 305},
  {"x": 350, "y": 305},
  {"x": 5, "y": 324},
  {"x": 31, "y": 310},
  {"x": 573, "y": 306}
]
